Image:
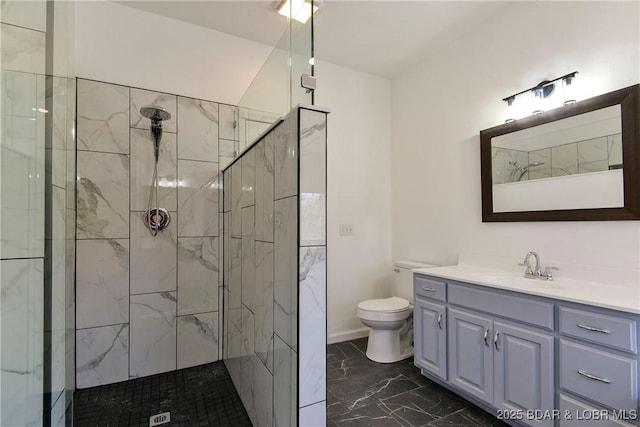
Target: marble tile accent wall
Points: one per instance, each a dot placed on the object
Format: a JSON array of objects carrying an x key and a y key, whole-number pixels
[
  {"x": 275, "y": 272},
  {"x": 312, "y": 269},
  {"x": 153, "y": 334},
  {"x": 149, "y": 304}
]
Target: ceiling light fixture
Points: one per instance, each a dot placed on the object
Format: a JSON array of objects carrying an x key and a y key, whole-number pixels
[
  {"x": 546, "y": 95},
  {"x": 300, "y": 10}
]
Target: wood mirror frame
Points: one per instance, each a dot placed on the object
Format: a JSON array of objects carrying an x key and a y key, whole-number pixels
[{"x": 629, "y": 100}]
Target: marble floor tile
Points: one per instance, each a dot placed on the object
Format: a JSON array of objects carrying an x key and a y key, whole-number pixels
[
  {"x": 373, "y": 415},
  {"x": 355, "y": 398}
]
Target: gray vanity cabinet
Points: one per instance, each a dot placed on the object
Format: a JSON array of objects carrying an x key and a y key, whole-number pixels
[
  {"x": 496, "y": 347},
  {"x": 430, "y": 338},
  {"x": 430, "y": 326},
  {"x": 523, "y": 365},
  {"x": 507, "y": 366},
  {"x": 470, "y": 353}
]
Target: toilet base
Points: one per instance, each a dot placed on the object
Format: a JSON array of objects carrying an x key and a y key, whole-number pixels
[{"x": 386, "y": 346}]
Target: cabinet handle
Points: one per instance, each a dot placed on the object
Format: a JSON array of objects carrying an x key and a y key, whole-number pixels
[
  {"x": 593, "y": 377},
  {"x": 593, "y": 329},
  {"x": 495, "y": 340},
  {"x": 424, "y": 288},
  {"x": 486, "y": 334},
  {"x": 440, "y": 320}
]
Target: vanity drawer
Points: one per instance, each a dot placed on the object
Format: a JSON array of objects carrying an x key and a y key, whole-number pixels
[
  {"x": 598, "y": 375},
  {"x": 614, "y": 332},
  {"x": 519, "y": 308},
  {"x": 430, "y": 288},
  {"x": 575, "y": 413}
]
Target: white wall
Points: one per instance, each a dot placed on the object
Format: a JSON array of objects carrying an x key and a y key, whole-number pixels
[
  {"x": 439, "y": 107},
  {"x": 358, "y": 191},
  {"x": 127, "y": 46}
]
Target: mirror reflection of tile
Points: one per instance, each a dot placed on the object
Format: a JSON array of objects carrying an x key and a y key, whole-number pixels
[{"x": 591, "y": 155}]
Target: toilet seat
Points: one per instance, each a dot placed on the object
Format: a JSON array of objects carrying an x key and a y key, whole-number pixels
[{"x": 385, "y": 305}]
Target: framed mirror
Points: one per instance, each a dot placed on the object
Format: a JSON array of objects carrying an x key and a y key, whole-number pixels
[{"x": 579, "y": 162}]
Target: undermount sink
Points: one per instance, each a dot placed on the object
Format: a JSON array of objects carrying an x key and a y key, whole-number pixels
[{"x": 517, "y": 281}]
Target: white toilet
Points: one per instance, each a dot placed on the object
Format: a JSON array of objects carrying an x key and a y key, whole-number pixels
[{"x": 390, "y": 320}]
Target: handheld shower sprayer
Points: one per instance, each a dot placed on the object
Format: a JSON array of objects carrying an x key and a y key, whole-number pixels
[{"x": 155, "y": 218}]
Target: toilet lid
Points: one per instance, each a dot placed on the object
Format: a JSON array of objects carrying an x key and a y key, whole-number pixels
[{"x": 389, "y": 305}]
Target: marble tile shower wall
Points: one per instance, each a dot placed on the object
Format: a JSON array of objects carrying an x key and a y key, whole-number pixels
[
  {"x": 275, "y": 273},
  {"x": 148, "y": 304}
]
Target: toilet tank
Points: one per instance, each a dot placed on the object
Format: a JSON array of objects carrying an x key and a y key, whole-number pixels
[{"x": 403, "y": 278}]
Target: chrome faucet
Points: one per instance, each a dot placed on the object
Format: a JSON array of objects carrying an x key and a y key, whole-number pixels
[{"x": 536, "y": 273}]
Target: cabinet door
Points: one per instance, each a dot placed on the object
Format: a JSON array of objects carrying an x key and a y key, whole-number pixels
[
  {"x": 470, "y": 353},
  {"x": 523, "y": 364},
  {"x": 430, "y": 340}
]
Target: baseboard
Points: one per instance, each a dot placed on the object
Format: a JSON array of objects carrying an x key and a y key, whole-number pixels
[{"x": 347, "y": 335}]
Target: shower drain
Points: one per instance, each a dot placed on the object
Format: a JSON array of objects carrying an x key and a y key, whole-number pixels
[{"x": 163, "y": 418}]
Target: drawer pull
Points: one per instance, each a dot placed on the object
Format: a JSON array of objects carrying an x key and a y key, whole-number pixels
[
  {"x": 593, "y": 329},
  {"x": 495, "y": 340},
  {"x": 440, "y": 320},
  {"x": 486, "y": 334},
  {"x": 593, "y": 377},
  {"x": 424, "y": 288}
]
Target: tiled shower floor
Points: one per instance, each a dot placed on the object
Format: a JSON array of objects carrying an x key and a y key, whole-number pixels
[
  {"x": 359, "y": 393},
  {"x": 364, "y": 393},
  {"x": 200, "y": 396}
]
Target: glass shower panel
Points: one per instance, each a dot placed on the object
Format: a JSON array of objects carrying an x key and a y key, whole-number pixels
[
  {"x": 276, "y": 89},
  {"x": 22, "y": 172},
  {"x": 37, "y": 185},
  {"x": 301, "y": 53}
]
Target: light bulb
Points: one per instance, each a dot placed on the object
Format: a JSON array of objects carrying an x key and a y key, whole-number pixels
[{"x": 568, "y": 90}]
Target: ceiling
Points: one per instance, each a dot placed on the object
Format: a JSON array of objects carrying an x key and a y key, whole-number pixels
[{"x": 377, "y": 37}]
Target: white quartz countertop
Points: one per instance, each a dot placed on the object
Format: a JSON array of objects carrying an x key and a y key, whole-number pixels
[{"x": 596, "y": 294}]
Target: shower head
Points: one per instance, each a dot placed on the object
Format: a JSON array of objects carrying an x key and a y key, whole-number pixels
[{"x": 155, "y": 113}]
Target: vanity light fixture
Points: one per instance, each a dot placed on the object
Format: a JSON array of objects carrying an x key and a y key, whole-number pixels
[
  {"x": 300, "y": 9},
  {"x": 546, "y": 95}
]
